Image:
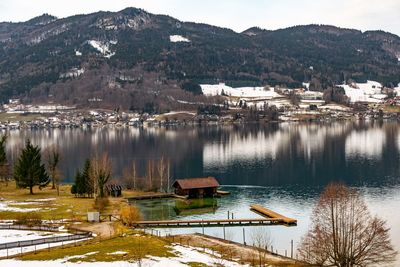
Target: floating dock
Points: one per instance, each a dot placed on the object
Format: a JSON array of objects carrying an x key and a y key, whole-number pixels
[
  {"x": 267, "y": 213},
  {"x": 209, "y": 223},
  {"x": 223, "y": 193}
]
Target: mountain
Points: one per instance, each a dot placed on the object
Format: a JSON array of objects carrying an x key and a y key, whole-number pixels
[{"x": 132, "y": 58}]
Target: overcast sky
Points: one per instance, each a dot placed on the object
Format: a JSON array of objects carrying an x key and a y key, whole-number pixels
[{"x": 235, "y": 14}]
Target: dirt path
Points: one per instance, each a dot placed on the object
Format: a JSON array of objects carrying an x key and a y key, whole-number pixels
[
  {"x": 235, "y": 251},
  {"x": 103, "y": 229}
]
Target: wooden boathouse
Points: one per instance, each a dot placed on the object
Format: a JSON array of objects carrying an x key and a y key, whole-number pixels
[{"x": 196, "y": 187}]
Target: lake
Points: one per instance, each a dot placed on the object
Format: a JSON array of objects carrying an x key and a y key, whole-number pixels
[{"x": 281, "y": 166}]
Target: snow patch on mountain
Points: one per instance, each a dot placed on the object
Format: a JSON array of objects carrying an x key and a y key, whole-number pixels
[
  {"x": 370, "y": 91},
  {"x": 73, "y": 73},
  {"x": 243, "y": 92},
  {"x": 102, "y": 47},
  {"x": 178, "y": 39}
]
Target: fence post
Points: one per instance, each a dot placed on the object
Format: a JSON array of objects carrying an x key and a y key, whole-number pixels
[
  {"x": 291, "y": 249},
  {"x": 244, "y": 237}
]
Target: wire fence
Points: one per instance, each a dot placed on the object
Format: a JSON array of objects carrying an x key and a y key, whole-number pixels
[
  {"x": 77, "y": 235},
  {"x": 26, "y": 227}
]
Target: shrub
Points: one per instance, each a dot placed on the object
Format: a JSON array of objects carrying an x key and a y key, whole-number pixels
[
  {"x": 130, "y": 215},
  {"x": 100, "y": 204},
  {"x": 29, "y": 219},
  {"x": 73, "y": 189}
]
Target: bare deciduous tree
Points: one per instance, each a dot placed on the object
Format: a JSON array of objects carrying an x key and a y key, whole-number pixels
[
  {"x": 100, "y": 173},
  {"x": 130, "y": 177},
  {"x": 150, "y": 174},
  {"x": 53, "y": 160},
  {"x": 343, "y": 232},
  {"x": 158, "y": 175},
  {"x": 163, "y": 173},
  {"x": 262, "y": 240}
]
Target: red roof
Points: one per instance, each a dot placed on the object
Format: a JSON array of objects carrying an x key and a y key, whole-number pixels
[{"x": 193, "y": 183}]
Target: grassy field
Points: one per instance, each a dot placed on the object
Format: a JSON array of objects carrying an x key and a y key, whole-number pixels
[
  {"x": 390, "y": 109},
  {"x": 12, "y": 117},
  {"x": 52, "y": 207},
  {"x": 131, "y": 247},
  {"x": 114, "y": 242}
]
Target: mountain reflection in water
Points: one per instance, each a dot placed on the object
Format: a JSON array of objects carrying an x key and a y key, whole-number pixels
[{"x": 282, "y": 166}]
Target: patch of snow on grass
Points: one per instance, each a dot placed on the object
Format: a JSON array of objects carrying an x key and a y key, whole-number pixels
[
  {"x": 184, "y": 255},
  {"x": 178, "y": 39},
  {"x": 42, "y": 199},
  {"x": 23, "y": 203},
  {"x": 60, "y": 263},
  {"x": 102, "y": 47},
  {"x": 16, "y": 251},
  {"x": 118, "y": 253},
  {"x": 190, "y": 254},
  {"x": 4, "y": 206},
  {"x": 7, "y": 236},
  {"x": 67, "y": 258}
]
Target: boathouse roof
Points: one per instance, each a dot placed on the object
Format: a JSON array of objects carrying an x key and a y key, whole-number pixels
[{"x": 193, "y": 183}]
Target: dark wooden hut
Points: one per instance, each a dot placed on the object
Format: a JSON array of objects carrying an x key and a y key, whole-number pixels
[
  {"x": 196, "y": 187},
  {"x": 113, "y": 190}
]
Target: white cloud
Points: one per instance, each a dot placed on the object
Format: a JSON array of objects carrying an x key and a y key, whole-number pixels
[{"x": 235, "y": 14}]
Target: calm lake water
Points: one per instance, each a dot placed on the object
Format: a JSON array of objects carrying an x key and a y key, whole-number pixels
[{"x": 281, "y": 166}]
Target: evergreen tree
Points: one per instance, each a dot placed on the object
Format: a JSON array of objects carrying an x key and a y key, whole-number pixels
[
  {"x": 29, "y": 170},
  {"x": 83, "y": 185},
  {"x": 79, "y": 188},
  {"x": 80, "y": 184},
  {"x": 87, "y": 183},
  {"x": 3, "y": 158}
]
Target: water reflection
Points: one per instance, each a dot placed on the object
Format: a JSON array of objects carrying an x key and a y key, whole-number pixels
[
  {"x": 282, "y": 166},
  {"x": 367, "y": 143},
  {"x": 277, "y": 154}
]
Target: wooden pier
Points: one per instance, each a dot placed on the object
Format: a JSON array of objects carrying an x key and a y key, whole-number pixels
[
  {"x": 209, "y": 223},
  {"x": 270, "y": 218},
  {"x": 272, "y": 214}
]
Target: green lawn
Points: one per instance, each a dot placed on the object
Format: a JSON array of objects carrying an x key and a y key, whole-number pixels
[{"x": 136, "y": 246}]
